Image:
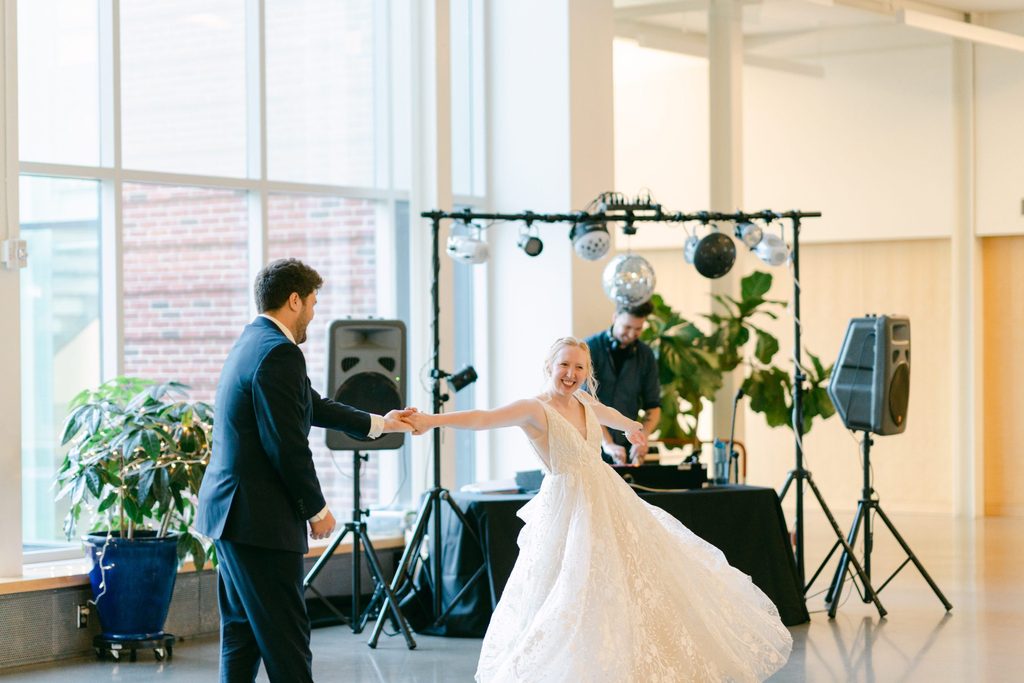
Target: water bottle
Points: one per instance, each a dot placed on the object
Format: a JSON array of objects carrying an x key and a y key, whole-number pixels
[{"x": 720, "y": 463}]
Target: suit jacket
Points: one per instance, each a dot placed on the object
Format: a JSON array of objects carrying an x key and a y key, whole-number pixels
[{"x": 260, "y": 486}]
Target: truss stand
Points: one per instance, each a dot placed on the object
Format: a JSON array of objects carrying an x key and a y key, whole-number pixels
[
  {"x": 357, "y": 527},
  {"x": 869, "y": 503},
  {"x": 799, "y": 474},
  {"x": 429, "y": 515}
]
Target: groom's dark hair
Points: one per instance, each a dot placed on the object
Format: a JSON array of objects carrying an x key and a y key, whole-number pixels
[{"x": 278, "y": 279}]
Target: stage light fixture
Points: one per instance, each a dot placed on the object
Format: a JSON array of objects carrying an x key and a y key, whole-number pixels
[
  {"x": 772, "y": 250},
  {"x": 591, "y": 240},
  {"x": 529, "y": 241},
  {"x": 467, "y": 248},
  {"x": 749, "y": 233},
  {"x": 463, "y": 378},
  {"x": 690, "y": 248}
]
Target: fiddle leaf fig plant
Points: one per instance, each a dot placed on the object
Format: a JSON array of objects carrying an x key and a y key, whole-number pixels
[
  {"x": 137, "y": 453},
  {"x": 694, "y": 358}
]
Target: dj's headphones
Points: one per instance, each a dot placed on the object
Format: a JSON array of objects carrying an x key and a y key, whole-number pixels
[{"x": 614, "y": 344}]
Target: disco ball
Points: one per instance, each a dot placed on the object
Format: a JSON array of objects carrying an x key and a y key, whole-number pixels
[
  {"x": 628, "y": 280},
  {"x": 715, "y": 255}
]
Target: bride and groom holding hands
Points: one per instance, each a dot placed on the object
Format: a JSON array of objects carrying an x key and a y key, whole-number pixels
[{"x": 680, "y": 613}]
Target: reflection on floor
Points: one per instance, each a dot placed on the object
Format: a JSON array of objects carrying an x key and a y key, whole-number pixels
[{"x": 977, "y": 564}]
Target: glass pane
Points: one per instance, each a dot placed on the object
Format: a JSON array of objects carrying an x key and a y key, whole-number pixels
[
  {"x": 336, "y": 236},
  {"x": 186, "y": 282},
  {"x": 183, "y": 86},
  {"x": 320, "y": 91},
  {"x": 58, "y": 82},
  {"x": 60, "y": 334},
  {"x": 462, "y": 97}
]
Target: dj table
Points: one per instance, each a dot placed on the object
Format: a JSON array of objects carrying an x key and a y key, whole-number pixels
[{"x": 744, "y": 522}]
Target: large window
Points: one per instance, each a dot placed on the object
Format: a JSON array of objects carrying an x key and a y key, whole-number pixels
[
  {"x": 186, "y": 285},
  {"x": 337, "y": 237},
  {"x": 60, "y": 333},
  {"x": 160, "y": 173},
  {"x": 59, "y": 82},
  {"x": 183, "y": 86}
]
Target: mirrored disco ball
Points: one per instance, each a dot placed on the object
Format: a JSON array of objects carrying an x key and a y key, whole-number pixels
[{"x": 628, "y": 280}]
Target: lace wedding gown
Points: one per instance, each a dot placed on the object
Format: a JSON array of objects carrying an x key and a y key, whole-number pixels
[{"x": 608, "y": 588}]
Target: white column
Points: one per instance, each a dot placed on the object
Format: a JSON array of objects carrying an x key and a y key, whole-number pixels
[
  {"x": 549, "y": 66},
  {"x": 431, "y": 189},
  {"x": 966, "y": 314},
  {"x": 725, "y": 109},
  {"x": 10, "y": 388}
]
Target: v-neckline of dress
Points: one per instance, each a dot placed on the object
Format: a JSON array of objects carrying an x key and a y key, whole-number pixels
[{"x": 586, "y": 419}]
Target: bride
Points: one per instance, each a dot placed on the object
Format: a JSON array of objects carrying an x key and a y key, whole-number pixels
[{"x": 608, "y": 587}]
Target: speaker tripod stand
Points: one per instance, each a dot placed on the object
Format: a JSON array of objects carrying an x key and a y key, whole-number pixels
[
  {"x": 357, "y": 527},
  {"x": 867, "y": 505}
]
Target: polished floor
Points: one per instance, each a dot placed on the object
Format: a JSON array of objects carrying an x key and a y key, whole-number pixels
[{"x": 979, "y": 565}]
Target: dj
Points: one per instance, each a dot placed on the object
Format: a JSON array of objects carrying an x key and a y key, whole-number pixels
[{"x": 627, "y": 380}]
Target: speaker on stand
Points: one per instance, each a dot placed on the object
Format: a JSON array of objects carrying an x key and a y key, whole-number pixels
[
  {"x": 870, "y": 388},
  {"x": 366, "y": 362}
]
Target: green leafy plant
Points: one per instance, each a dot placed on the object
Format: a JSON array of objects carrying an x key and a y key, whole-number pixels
[
  {"x": 692, "y": 362},
  {"x": 138, "y": 452}
]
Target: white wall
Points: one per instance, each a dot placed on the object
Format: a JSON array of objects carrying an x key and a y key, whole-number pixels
[
  {"x": 10, "y": 384},
  {"x": 875, "y": 143},
  {"x": 999, "y": 111},
  {"x": 549, "y": 66}
]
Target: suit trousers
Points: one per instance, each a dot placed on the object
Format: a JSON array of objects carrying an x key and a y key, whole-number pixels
[{"x": 262, "y": 614}]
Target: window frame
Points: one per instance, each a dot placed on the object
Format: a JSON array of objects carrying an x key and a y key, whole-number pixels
[{"x": 112, "y": 175}]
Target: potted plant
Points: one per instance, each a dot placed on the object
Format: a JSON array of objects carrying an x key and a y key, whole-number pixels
[
  {"x": 138, "y": 451},
  {"x": 692, "y": 362}
]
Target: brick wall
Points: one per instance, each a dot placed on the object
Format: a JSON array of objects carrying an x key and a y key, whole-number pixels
[{"x": 187, "y": 289}]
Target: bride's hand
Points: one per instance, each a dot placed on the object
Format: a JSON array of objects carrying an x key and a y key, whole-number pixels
[
  {"x": 421, "y": 422},
  {"x": 636, "y": 436}
]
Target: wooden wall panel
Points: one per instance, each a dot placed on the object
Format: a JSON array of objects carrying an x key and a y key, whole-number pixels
[
  {"x": 1003, "y": 426},
  {"x": 913, "y": 470}
]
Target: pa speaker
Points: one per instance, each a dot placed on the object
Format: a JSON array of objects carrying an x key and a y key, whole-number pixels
[
  {"x": 870, "y": 384},
  {"x": 366, "y": 370}
]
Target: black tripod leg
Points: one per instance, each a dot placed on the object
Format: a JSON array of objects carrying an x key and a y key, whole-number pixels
[
  {"x": 913, "y": 558},
  {"x": 836, "y": 587},
  {"x": 404, "y": 566},
  {"x": 785, "y": 487},
  {"x": 324, "y": 558},
  {"x": 849, "y": 551},
  {"x": 396, "y": 611}
]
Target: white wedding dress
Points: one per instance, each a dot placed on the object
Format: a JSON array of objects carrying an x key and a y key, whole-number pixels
[{"x": 608, "y": 588}]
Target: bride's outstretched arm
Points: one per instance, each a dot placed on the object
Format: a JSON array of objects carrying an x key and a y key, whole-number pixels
[
  {"x": 525, "y": 413},
  {"x": 610, "y": 417}
]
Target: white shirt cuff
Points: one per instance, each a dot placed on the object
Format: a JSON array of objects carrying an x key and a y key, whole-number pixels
[
  {"x": 320, "y": 515},
  {"x": 376, "y": 426}
]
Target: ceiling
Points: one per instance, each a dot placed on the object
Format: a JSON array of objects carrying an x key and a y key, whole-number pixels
[{"x": 799, "y": 29}]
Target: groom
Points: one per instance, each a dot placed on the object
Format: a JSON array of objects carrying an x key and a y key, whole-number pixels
[{"x": 260, "y": 489}]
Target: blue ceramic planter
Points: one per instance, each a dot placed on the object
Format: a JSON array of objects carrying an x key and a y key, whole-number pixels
[{"x": 132, "y": 582}]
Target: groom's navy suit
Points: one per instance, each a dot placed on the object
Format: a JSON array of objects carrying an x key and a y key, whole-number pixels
[{"x": 258, "y": 491}]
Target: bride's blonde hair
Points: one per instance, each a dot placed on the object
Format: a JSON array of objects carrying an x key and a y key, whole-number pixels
[{"x": 562, "y": 343}]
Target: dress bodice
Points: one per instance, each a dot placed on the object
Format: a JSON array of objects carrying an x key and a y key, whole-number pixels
[{"x": 568, "y": 448}]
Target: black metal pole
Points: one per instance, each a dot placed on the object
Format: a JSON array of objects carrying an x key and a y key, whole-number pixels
[
  {"x": 798, "y": 406},
  {"x": 357, "y": 518},
  {"x": 867, "y": 495},
  {"x": 435, "y": 295}
]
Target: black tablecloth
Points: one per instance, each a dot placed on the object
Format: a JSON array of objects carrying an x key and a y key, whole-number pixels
[{"x": 745, "y": 522}]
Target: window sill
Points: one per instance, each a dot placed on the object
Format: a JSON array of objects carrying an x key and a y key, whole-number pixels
[{"x": 73, "y": 573}]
